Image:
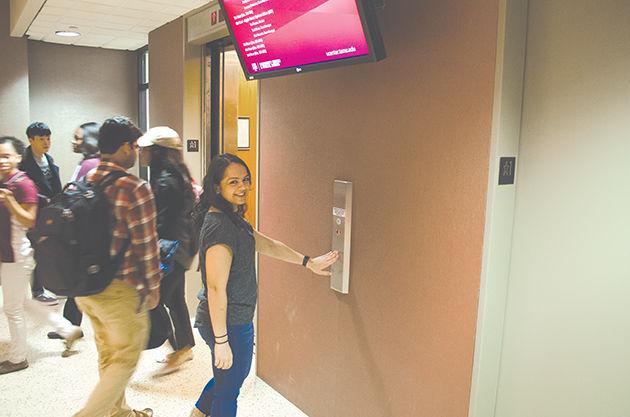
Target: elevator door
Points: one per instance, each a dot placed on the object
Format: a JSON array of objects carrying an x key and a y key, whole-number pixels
[
  {"x": 231, "y": 122},
  {"x": 232, "y": 119}
]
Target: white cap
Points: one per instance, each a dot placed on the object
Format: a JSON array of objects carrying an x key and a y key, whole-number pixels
[{"x": 161, "y": 136}]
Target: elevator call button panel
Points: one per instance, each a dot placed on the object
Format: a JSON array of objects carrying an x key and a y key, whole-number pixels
[{"x": 341, "y": 228}]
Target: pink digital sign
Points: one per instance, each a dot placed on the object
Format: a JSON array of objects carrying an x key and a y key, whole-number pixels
[{"x": 275, "y": 35}]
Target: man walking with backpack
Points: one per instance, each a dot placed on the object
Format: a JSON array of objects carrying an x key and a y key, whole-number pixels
[{"x": 119, "y": 313}]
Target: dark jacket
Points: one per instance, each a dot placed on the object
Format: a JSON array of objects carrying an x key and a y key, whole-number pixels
[
  {"x": 45, "y": 189},
  {"x": 174, "y": 201}
]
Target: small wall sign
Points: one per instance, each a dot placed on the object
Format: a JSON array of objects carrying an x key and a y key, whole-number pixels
[
  {"x": 192, "y": 145},
  {"x": 242, "y": 139},
  {"x": 507, "y": 170}
]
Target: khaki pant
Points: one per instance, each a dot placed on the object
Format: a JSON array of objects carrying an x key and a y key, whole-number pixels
[{"x": 121, "y": 331}]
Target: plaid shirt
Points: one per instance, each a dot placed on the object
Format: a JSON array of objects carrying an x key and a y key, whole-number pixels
[{"x": 134, "y": 212}]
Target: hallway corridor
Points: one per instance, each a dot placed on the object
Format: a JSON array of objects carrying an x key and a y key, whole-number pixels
[{"x": 56, "y": 387}]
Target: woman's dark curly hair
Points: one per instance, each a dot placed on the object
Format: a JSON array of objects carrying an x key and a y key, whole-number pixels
[{"x": 211, "y": 197}]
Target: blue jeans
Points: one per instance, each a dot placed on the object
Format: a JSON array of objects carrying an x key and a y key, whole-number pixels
[{"x": 218, "y": 398}]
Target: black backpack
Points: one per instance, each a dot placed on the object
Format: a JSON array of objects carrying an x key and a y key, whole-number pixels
[
  {"x": 186, "y": 253},
  {"x": 72, "y": 239}
]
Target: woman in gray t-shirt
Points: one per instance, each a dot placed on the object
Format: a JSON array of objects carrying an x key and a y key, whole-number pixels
[{"x": 227, "y": 246}]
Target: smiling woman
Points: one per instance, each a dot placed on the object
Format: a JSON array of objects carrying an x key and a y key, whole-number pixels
[
  {"x": 228, "y": 244},
  {"x": 235, "y": 185}
]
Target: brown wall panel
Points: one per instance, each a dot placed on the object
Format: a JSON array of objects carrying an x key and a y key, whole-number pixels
[
  {"x": 175, "y": 87},
  {"x": 166, "y": 76},
  {"x": 413, "y": 134}
]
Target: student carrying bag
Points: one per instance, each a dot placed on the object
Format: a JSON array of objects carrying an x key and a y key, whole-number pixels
[{"x": 72, "y": 239}]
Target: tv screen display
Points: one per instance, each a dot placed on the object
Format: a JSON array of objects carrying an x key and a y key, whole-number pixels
[{"x": 277, "y": 37}]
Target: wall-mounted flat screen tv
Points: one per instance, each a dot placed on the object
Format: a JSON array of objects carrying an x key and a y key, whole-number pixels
[{"x": 278, "y": 37}]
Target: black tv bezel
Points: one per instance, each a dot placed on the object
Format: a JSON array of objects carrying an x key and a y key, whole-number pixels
[{"x": 367, "y": 13}]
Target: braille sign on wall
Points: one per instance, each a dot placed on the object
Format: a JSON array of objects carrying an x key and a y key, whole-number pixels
[
  {"x": 507, "y": 170},
  {"x": 192, "y": 145}
]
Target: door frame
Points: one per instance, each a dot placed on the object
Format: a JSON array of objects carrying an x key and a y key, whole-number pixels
[{"x": 498, "y": 233}]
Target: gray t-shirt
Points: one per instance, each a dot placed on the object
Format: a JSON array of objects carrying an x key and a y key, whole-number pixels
[{"x": 242, "y": 288}]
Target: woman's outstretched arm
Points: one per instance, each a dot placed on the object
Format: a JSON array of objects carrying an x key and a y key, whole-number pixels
[{"x": 279, "y": 250}]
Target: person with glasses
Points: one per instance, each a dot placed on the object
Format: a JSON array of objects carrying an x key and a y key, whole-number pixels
[{"x": 18, "y": 211}]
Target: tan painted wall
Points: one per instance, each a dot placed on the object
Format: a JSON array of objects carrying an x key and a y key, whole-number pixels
[
  {"x": 413, "y": 134},
  {"x": 565, "y": 349},
  {"x": 14, "y": 106},
  {"x": 70, "y": 85}
]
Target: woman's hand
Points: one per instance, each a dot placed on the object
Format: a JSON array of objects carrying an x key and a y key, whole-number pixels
[
  {"x": 223, "y": 356},
  {"x": 24, "y": 213},
  {"x": 6, "y": 197},
  {"x": 321, "y": 263}
]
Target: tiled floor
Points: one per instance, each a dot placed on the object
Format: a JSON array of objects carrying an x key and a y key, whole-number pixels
[{"x": 56, "y": 387}]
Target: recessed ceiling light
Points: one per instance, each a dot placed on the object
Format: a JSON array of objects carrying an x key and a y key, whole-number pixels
[{"x": 67, "y": 33}]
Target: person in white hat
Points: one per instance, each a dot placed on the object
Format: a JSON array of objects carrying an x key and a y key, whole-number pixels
[{"x": 161, "y": 151}]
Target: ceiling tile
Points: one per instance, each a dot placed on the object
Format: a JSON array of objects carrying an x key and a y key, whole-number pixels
[
  {"x": 52, "y": 10},
  {"x": 91, "y": 40},
  {"x": 123, "y": 43},
  {"x": 36, "y": 36},
  {"x": 62, "y": 3},
  {"x": 46, "y": 18},
  {"x": 114, "y": 24}
]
